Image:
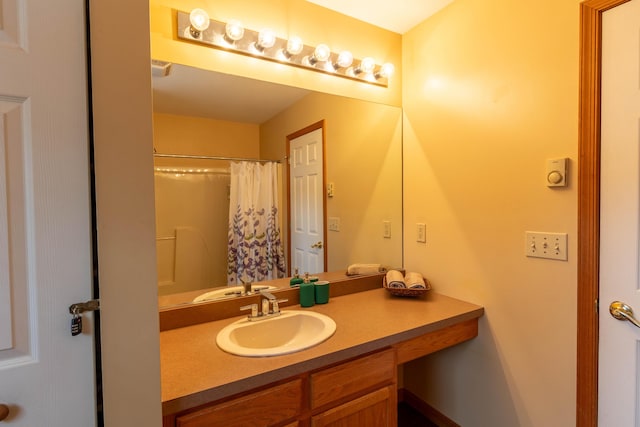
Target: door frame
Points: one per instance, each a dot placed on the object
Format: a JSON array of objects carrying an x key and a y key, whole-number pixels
[
  {"x": 589, "y": 208},
  {"x": 294, "y": 135},
  {"x": 122, "y": 138}
]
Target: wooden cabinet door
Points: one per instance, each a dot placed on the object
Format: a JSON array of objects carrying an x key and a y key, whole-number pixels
[
  {"x": 352, "y": 378},
  {"x": 376, "y": 409}
]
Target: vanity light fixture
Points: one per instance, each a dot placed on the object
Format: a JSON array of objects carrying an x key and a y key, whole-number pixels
[
  {"x": 199, "y": 21},
  {"x": 293, "y": 48},
  {"x": 233, "y": 31},
  {"x": 266, "y": 40},
  {"x": 320, "y": 54},
  {"x": 197, "y": 27},
  {"x": 367, "y": 65},
  {"x": 345, "y": 59},
  {"x": 386, "y": 70}
]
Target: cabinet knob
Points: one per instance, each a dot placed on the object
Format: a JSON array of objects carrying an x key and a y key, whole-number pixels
[{"x": 4, "y": 411}]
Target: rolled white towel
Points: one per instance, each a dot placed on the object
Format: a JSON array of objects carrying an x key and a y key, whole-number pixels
[
  {"x": 395, "y": 279},
  {"x": 415, "y": 281},
  {"x": 361, "y": 269}
]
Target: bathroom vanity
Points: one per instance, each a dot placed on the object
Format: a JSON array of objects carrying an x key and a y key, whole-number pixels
[{"x": 349, "y": 379}]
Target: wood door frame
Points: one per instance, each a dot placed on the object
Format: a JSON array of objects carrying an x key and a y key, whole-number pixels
[
  {"x": 589, "y": 208},
  {"x": 294, "y": 135}
]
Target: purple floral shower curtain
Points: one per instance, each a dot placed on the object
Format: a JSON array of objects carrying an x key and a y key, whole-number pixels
[{"x": 255, "y": 245}]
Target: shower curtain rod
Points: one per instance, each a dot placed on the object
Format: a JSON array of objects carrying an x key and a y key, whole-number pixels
[{"x": 235, "y": 159}]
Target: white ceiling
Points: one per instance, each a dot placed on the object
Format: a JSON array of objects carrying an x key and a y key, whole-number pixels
[
  {"x": 398, "y": 16},
  {"x": 189, "y": 91}
]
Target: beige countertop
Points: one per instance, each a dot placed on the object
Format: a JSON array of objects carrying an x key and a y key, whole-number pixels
[
  {"x": 195, "y": 371},
  {"x": 179, "y": 299}
]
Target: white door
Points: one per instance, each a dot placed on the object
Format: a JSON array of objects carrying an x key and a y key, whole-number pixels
[
  {"x": 619, "y": 352},
  {"x": 47, "y": 376},
  {"x": 306, "y": 188}
]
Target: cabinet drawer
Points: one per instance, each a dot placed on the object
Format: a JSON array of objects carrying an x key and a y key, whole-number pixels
[
  {"x": 263, "y": 408},
  {"x": 352, "y": 377},
  {"x": 437, "y": 340},
  {"x": 372, "y": 410}
]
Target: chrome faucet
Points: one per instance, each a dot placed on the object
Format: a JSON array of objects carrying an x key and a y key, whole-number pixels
[
  {"x": 246, "y": 287},
  {"x": 270, "y": 307},
  {"x": 269, "y": 300},
  {"x": 254, "y": 311}
]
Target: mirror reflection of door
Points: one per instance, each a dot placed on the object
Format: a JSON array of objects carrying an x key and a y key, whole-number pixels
[{"x": 307, "y": 235}]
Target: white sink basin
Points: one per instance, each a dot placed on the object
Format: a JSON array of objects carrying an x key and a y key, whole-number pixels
[
  {"x": 291, "y": 331},
  {"x": 229, "y": 292}
]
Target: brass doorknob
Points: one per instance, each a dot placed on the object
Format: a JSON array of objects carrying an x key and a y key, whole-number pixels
[
  {"x": 622, "y": 311},
  {"x": 4, "y": 411}
]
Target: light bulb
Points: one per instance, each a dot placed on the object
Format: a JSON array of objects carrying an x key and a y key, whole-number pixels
[
  {"x": 345, "y": 59},
  {"x": 234, "y": 30},
  {"x": 366, "y": 65},
  {"x": 322, "y": 52},
  {"x": 266, "y": 39},
  {"x": 199, "y": 20},
  {"x": 294, "y": 45},
  {"x": 386, "y": 70}
]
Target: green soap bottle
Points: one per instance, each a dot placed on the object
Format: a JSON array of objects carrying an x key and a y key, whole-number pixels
[
  {"x": 307, "y": 292},
  {"x": 296, "y": 280}
]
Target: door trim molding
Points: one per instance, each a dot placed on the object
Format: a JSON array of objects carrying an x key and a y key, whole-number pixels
[{"x": 589, "y": 209}]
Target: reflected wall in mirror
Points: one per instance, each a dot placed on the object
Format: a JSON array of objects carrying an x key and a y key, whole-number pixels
[{"x": 200, "y": 112}]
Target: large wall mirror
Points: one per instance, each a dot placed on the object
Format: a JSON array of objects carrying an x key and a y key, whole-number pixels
[{"x": 218, "y": 117}]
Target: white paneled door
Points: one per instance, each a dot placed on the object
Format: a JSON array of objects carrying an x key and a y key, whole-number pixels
[
  {"x": 306, "y": 190},
  {"x": 619, "y": 352},
  {"x": 46, "y": 376}
]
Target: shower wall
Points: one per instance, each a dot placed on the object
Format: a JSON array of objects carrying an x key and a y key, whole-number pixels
[{"x": 192, "y": 210}]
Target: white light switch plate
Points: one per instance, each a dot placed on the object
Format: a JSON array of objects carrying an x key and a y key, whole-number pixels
[
  {"x": 421, "y": 233},
  {"x": 546, "y": 245},
  {"x": 333, "y": 223},
  {"x": 386, "y": 229}
]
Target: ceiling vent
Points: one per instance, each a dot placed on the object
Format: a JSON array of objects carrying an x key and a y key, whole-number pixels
[{"x": 160, "y": 68}]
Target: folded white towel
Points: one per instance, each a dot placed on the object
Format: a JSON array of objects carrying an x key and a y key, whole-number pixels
[
  {"x": 410, "y": 280},
  {"x": 395, "y": 279},
  {"x": 415, "y": 281},
  {"x": 361, "y": 269}
]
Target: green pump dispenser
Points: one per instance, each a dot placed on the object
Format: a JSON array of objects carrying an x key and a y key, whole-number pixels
[
  {"x": 307, "y": 292},
  {"x": 296, "y": 280}
]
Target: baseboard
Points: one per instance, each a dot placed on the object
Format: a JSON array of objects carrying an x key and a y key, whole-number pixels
[{"x": 431, "y": 413}]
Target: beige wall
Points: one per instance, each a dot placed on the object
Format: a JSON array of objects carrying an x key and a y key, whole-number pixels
[
  {"x": 174, "y": 134},
  {"x": 490, "y": 93},
  {"x": 206, "y": 137},
  {"x": 363, "y": 149},
  {"x": 286, "y": 17}
]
